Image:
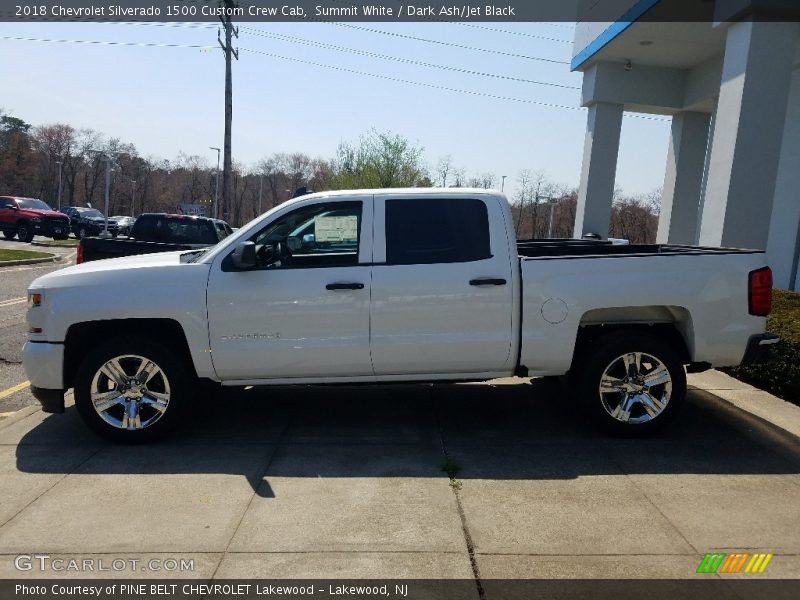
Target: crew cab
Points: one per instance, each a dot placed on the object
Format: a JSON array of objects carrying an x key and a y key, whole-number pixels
[
  {"x": 399, "y": 285},
  {"x": 27, "y": 217},
  {"x": 156, "y": 232}
]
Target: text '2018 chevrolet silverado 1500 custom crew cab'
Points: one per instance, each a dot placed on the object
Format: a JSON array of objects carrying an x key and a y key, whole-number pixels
[{"x": 391, "y": 286}]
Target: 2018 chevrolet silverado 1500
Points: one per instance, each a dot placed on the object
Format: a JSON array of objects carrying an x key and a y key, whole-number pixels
[
  {"x": 156, "y": 232},
  {"x": 391, "y": 285}
]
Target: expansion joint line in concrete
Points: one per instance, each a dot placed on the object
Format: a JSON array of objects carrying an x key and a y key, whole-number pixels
[{"x": 473, "y": 562}]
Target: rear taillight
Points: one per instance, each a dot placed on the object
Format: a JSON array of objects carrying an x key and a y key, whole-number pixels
[
  {"x": 760, "y": 292},
  {"x": 79, "y": 256}
]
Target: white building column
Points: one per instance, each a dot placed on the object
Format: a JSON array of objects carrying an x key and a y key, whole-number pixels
[
  {"x": 683, "y": 182},
  {"x": 783, "y": 245},
  {"x": 751, "y": 113},
  {"x": 599, "y": 170}
]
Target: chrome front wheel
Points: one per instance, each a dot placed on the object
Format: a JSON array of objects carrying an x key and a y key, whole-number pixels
[
  {"x": 131, "y": 389},
  {"x": 130, "y": 392}
]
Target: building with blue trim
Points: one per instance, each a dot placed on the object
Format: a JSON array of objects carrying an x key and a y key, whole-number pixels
[{"x": 731, "y": 85}]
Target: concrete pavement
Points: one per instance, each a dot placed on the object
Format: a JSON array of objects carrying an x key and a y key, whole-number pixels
[{"x": 348, "y": 482}]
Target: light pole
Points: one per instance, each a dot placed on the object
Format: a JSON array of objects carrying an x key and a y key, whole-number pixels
[
  {"x": 58, "y": 162},
  {"x": 107, "y": 156},
  {"x": 216, "y": 185},
  {"x": 503, "y": 183},
  {"x": 260, "y": 189},
  {"x": 133, "y": 194},
  {"x": 552, "y": 202}
]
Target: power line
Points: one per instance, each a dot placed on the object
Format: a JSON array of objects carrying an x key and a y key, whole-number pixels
[
  {"x": 307, "y": 42},
  {"x": 510, "y": 32},
  {"x": 450, "y": 44},
  {"x": 408, "y": 81},
  {"x": 368, "y": 30},
  {"x": 344, "y": 70},
  {"x": 99, "y": 43}
]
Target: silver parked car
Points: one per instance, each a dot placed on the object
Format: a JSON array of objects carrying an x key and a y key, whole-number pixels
[{"x": 124, "y": 224}]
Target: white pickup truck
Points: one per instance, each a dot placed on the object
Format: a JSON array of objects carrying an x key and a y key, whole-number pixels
[{"x": 392, "y": 285}]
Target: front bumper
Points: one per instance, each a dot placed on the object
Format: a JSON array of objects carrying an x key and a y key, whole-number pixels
[
  {"x": 758, "y": 348},
  {"x": 48, "y": 229},
  {"x": 44, "y": 366}
]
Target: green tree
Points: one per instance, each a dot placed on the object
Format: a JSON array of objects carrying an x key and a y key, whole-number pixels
[{"x": 379, "y": 160}]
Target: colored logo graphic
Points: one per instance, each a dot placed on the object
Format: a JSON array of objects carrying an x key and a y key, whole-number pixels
[{"x": 740, "y": 562}]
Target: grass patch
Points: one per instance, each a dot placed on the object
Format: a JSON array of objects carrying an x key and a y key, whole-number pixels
[
  {"x": 452, "y": 468},
  {"x": 59, "y": 243},
  {"x": 8, "y": 255},
  {"x": 781, "y": 374}
]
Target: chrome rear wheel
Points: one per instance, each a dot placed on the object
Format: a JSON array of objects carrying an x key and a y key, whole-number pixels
[{"x": 635, "y": 388}]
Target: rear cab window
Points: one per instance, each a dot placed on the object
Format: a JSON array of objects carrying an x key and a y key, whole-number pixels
[{"x": 436, "y": 230}]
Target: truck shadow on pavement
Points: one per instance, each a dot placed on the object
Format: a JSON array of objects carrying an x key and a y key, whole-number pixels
[{"x": 488, "y": 432}]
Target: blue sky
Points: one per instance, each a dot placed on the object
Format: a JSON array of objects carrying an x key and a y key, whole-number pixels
[{"x": 167, "y": 100}]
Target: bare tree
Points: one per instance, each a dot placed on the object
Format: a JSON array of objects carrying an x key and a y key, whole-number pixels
[{"x": 443, "y": 168}]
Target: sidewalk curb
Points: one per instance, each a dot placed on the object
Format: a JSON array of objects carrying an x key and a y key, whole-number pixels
[
  {"x": 758, "y": 403},
  {"x": 19, "y": 415},
  {"x": 45, "y": 245},
  {"x": 30, "y": 261}
]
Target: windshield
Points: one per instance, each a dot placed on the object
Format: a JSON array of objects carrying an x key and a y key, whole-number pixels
[
  {"x": 33, "y": 203},
  {"x": 90, "y": 212}
]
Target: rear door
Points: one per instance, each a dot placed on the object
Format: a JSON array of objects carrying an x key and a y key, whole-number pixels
[{"x": 441, "y": 286}]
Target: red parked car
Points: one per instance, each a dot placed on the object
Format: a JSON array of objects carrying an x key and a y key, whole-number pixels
[{"x": 26, "y": 217}]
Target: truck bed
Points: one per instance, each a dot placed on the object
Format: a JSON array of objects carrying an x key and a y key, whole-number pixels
[{"x": 561, "y": 248}]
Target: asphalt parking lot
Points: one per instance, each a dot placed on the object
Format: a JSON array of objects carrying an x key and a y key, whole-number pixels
[
  {"x": 14, "y": 282},
  {"x": 351, "y": 482}
]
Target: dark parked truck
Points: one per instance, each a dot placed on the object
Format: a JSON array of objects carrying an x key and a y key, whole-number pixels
[
  {"x": 26, "y": 217},
  {"x": 154, "y": 232},
  {"x": 87, "y": 221}
]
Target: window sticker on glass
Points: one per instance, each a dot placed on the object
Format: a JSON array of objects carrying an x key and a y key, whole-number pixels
[{"x": 336, "y": 229}]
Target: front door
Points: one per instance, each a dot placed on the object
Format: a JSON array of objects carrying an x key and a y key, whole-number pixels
[{"x": 304, "y": 311}]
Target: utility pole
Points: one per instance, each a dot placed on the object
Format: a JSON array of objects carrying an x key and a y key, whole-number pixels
[
  {"x": 503, "y": 184},
  {"x": 58, "y": 162},
  {"x": 227, "y": 169}
]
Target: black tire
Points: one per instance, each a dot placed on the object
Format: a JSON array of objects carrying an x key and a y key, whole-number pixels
[
  {"x": 82, "y": 233},
  {"x": 24, "y": 232},
  {"x": 644, "y": 416},
  {"x": 173, "y": 369},
  {"x": 9, "y": 235}
]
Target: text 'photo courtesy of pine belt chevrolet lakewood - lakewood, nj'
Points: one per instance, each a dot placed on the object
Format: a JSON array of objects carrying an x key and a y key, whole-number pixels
[{"x": 401, "y": 285}]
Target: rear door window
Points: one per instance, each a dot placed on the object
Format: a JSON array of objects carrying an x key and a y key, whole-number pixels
[{"x": 436, "y": 230}]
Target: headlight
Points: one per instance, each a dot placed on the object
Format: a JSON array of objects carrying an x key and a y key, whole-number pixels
[{"x": 35, "y": 299}]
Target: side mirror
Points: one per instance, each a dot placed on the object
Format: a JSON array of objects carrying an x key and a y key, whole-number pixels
[
  {"x": 293, "y": 243},
  {"x": 244, "y": 257}
]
